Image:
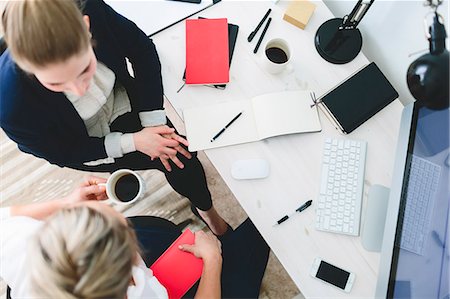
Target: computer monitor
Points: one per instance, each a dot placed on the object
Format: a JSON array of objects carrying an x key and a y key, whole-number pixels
[{"x": 418, "y": 268}]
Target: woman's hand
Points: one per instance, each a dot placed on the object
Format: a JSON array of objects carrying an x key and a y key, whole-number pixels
[
  {"x": 206, "y": 247},
  {"x": 161, "y": 142},
  {"x": 180, "y": 149},
  {"x": 209, "y": 249},
  {"x": 88, "y": 190}
]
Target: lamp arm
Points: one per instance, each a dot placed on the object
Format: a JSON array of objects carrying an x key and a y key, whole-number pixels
[{"x": 352, "y": 20}]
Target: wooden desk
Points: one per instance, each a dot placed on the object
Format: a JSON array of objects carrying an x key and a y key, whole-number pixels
[{"x": 295, "y": 159}]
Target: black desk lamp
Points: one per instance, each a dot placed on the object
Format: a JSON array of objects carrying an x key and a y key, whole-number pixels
[
  {"x": 338, "y": 40},
  {"x": 428, "y": 75}
]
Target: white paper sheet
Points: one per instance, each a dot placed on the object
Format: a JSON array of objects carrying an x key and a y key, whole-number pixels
[
  {"x": 263, "y": 116},
  {"x": 158, "y": 13}
]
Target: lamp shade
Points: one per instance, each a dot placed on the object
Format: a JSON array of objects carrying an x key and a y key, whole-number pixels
[
  {"x": 428, "y": 80},
  {"x": 427, "y": 76}
]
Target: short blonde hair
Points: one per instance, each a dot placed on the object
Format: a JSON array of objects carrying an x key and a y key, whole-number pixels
[
  {"x": 42, "y": 32},
  {"x": 82, "y": 253}
]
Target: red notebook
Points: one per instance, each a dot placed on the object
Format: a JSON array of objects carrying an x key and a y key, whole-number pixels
[
  {"x": 177, "y": 270},
  {"x": 207, "y": 51}
]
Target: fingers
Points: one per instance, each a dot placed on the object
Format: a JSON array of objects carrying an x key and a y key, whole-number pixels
[
  {"x": 93, "y": 180},
  {"x": 93, "y": 190},
  {"x": 179, "y": 148},
  {"x": 180, "y": 139},
  {"x": 163, "y": 130},
  {"x": 177, "y": 137},
  {"x": 101, "y": 196},
  {"x": 184, "y": 152},
  {"x": 177, "y": 162},
  {"x": 187, "y": 248},
  {"x": 169, "y": 151},
  {"x": 169, "y": 142},
  {"x": 165, "y": 163}
]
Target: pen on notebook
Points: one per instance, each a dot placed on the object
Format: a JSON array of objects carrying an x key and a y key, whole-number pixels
[
  {"x": 226, "y": 126},
  {"x": 262, "y": 35},
  {"x": 252, "y": 35},
  {"x": 300, "y": 209}
]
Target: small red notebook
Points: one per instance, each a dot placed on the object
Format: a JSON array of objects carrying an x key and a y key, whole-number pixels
[
  {"x": 207, "y": 51},
  {"x": 177, "y": 270}
]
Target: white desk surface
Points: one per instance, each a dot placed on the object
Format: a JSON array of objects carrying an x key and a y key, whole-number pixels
[{"x": 295, "y": 160}]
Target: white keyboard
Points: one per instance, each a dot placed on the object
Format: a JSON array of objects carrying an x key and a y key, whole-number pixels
[
  {"x": 423, "y": 179},
  {"x": 341, "y": 185}
]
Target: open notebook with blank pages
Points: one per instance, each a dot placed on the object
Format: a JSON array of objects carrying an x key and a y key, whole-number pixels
[{"x": 263, "y": 116}]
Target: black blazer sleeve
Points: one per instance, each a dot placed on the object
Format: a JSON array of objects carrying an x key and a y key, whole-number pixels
[{"x": 41, "y": 122}]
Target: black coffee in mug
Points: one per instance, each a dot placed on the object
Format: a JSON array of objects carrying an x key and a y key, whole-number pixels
[
  {"x": 276, "y": 55},
  {"x": 127, "y": 187}
]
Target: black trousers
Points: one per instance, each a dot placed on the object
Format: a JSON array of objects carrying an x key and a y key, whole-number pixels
[
  {"x": 244, "y": 251},
  {"x": 189, "y": 181}
]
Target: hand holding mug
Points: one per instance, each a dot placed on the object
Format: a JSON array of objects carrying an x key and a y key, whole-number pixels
[{"x": 90, "y": 189}]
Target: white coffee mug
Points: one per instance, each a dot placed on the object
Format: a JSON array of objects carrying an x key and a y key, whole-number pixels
[
  {"x": 124, "y": 187},
  {"x": 277, "y": 55}
]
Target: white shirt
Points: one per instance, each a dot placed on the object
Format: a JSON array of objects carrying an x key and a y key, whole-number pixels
[
  {"x": 16, "y": 231},
  {"x": 104, "y": 101}
]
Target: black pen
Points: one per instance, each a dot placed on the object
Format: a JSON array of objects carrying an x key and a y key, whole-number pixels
[
  {"x": 184, "y": 18},
  {"x": 302, "y": 207},
  {"x": 227, "y": 125},
  {"x": 252, "y": 35},
  {"x": 262, "y": 35}
]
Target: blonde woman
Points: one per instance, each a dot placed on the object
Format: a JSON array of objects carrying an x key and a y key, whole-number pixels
[
  {"x": 66, "y": 96},
  {"x": 78, "y": 247}
]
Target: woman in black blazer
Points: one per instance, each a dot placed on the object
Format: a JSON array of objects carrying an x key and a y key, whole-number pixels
[{"x": 66, "y": 96}]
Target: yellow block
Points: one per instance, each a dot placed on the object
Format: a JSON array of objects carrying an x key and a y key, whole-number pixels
[{"x": 299, "y": 12}]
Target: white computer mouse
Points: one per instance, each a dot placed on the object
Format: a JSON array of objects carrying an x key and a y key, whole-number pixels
[{"x": 250, "y": 169}]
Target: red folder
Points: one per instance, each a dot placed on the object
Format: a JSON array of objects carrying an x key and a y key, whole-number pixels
[
  {"x": 177, "y": 270},
  {"x": 207, "y": 51}
]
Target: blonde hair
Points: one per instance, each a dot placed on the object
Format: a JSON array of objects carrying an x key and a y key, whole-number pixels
[
  {"x": 42, "y": 32},
  {"x": 82, "y": 253}
]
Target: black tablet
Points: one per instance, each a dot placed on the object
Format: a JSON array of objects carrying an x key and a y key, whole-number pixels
[{"x": 358, "y": 98}]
